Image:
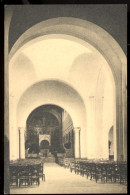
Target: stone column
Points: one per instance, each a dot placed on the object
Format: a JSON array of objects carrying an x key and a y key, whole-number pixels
[
  {"x": 8, "y": 16},
  {"x": 77, "y": 142},
  {"x": 124, "y": 101},
  {"x": 13, "y": 129},
  {"x": 119, "y": 119},
  {"x": 21, "y": 142},
  {"x": 95, "y": 142},
  {"x": 100, "y": 136},
  {"x": 91, "y": 127},
  {"x": 60, "y": 133}
]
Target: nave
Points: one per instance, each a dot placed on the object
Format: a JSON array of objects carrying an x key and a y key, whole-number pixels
[
  {"x": 65, "y": 97},
  {"x": 61, "y": 181}
]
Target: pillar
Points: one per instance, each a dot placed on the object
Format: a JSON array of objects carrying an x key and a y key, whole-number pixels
[
  {"x": 121, "y": 114},
  {"x": 60, "y": 133},
  {"x": 100, "y": 139},
  {"x": 124, "y": 101},
  {"x": 96, "y": 138},
  {"x": 77, "y": 142},
  {"x": 90, "y": 127},
  {"x": 13, "y": 132},
  {"x": 8, "y": 16},
  {"x": 119, "y": 119},
  {"x": 21, "y": 143}
]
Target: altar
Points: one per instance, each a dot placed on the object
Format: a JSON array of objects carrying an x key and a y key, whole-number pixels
[{"x": 44, "y": 144}]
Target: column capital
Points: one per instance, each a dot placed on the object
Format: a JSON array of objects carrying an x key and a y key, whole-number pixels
[
  {"x": 96, "y": 97},
  {"x": 92, "y": 96},
  {"x": 21, "y": 129},
  {"x": 77, "y": 129}
]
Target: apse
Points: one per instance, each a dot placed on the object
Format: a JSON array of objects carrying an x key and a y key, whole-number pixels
[{"x": 49, "y": 131}]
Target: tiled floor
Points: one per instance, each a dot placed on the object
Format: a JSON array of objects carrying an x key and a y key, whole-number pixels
[{"x": 61, "y": 181}]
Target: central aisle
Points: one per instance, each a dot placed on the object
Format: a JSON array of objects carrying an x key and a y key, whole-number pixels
[{"x": 61, "y": 181}]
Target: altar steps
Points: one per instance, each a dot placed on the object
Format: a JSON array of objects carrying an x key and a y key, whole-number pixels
[{"x": 49, "y": 159}]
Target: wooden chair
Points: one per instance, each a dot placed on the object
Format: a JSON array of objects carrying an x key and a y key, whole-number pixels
[
  {"x": 92, "y": 171},
  {"x": 77, "y": 167},
  {"x": 34, "y": 174},
  {"x": 66, "y": 163},
  {"x": 100, "y": 172},
  {"x": 13, "y": 175},
  {"x": 41, "y": 171},
  {"x": 110, "y": 172},
  {"x": 123, "y": 173},
  {"x": 116, "y": 175},
  {"x": 72, "y": 166},
  {"x": 88, "y": 169},
  {"x": 82, "y": 168},
  {"x": 24, "y": 175}
]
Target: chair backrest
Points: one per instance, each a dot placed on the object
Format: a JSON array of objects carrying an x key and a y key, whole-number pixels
[
  {"x": 41, "y": 167},
  {"x": 34, "y": 169},
  {"x": 99, "y": 167},
  {"x": 13, "y": 169},
  {"x": 123, "y": 168},
  {"x": 23, "y": 170},
  {"x": 92, "y": 167}
]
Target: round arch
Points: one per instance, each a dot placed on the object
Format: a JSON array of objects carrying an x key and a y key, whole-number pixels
[
  {"x": 51, "y": 92},
  {"x": 38, "y": 114},
  {"x": 106, "y": 45},
  {"x": 56, "y": 93},
  {"x": 82, "y": 29},
  {"x": 46, "y": 111}
]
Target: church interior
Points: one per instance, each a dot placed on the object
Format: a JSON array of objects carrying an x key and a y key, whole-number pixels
[{"x": 65, "y": 99}]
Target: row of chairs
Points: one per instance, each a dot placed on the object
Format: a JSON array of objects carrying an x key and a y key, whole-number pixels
[
  {"x": 67, "y": 162},
  {"x": 104, "y": 171},
  {"x": 26, "y": 174}
]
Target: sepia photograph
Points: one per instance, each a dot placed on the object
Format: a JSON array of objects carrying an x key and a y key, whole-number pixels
[{"x": 65, "y": 98}]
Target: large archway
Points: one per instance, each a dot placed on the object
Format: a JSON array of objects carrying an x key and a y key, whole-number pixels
[
  {"x": 87, "y": 32},
  {"x": 49, "y": 129},
  {"x": 48, "y": 92}
]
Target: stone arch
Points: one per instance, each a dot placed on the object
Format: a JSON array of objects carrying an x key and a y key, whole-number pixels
[
  {"x": 106, "y": 45},
  {"x": 82, "y": 29},
  {"x": 52, "y": 92},
  {"x": 47, "y": 111},
  {"x": 51, "y": 86},
  {"x": 44, "y": 138}
]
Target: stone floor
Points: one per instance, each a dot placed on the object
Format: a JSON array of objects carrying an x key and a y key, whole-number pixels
[{"x": 61, "y": 181}]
